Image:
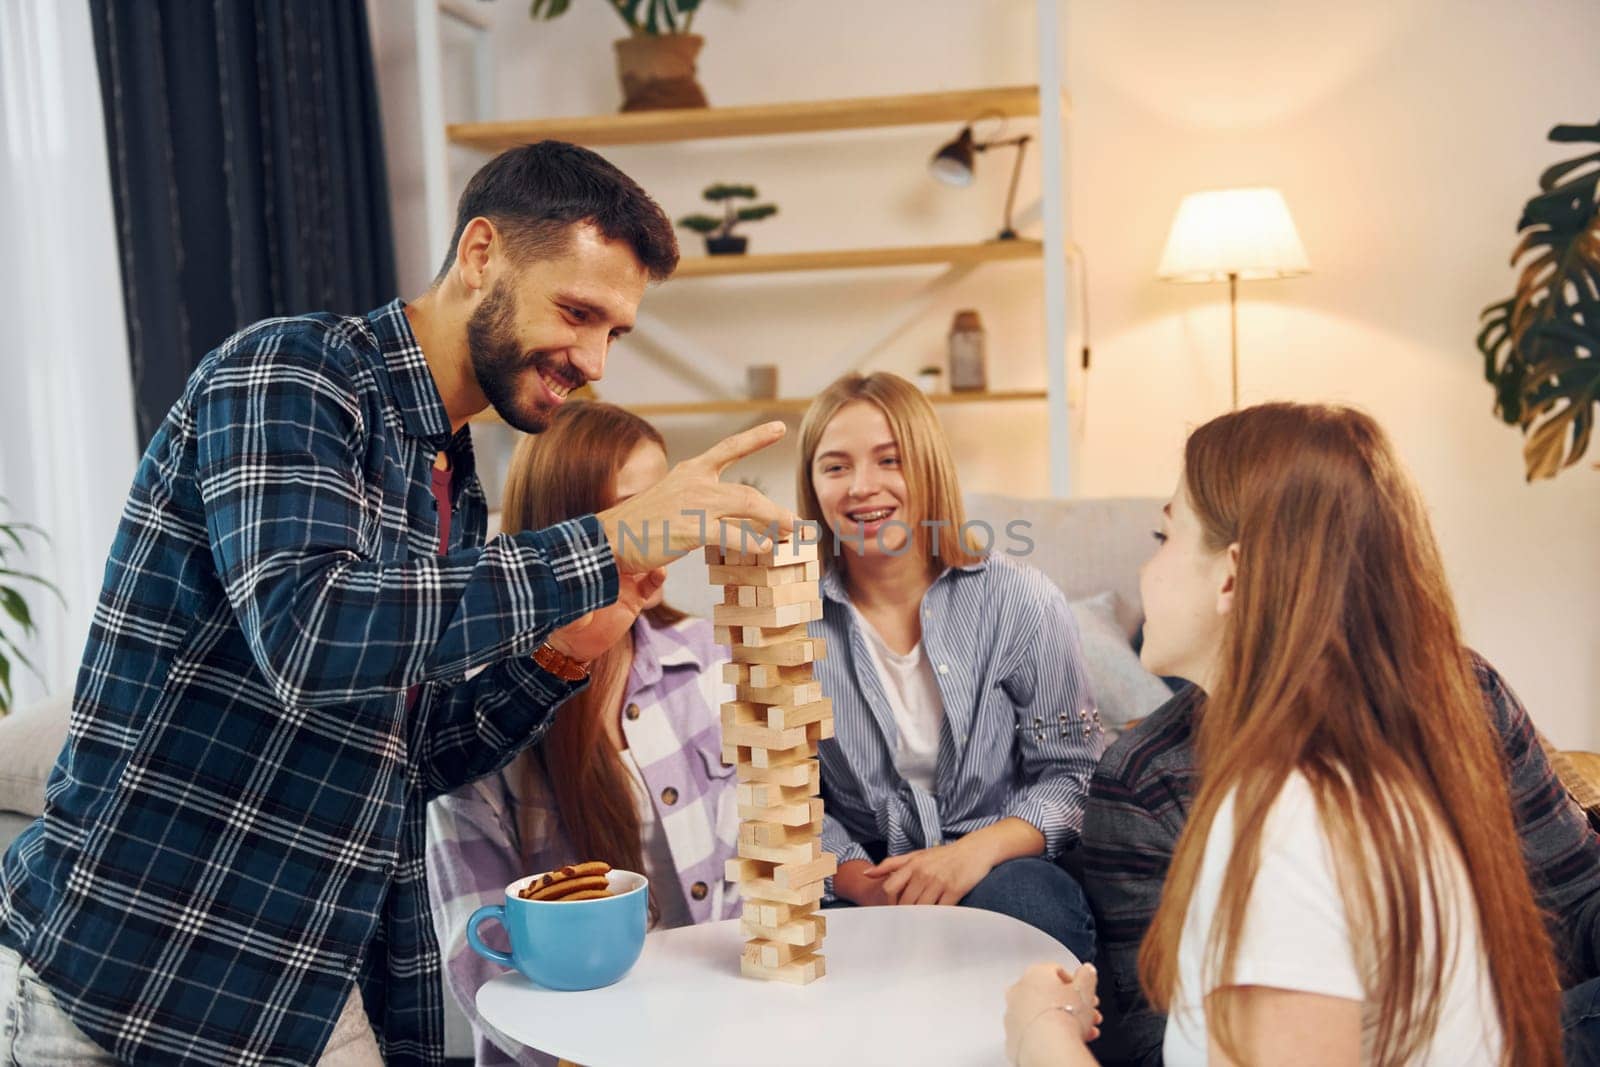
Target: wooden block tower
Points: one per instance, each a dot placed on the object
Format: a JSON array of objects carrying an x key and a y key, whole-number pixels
[{"x": 770, "y": 734}]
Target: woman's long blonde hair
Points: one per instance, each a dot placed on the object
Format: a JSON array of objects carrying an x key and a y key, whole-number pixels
[
  {"x": 930, "y": 473},
  {"x": 568, "y": 470},
  {"x": 1342, "y": 659}
]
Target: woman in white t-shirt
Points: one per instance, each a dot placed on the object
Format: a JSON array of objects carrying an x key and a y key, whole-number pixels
[{"x": 1347, "y": 887}]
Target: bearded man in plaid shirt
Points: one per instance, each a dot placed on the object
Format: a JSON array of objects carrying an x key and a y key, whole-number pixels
[{"x": 303, "y": 637}]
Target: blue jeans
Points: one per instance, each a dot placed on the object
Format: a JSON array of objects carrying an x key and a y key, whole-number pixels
[
  {"x": 1580, "y": 1024},
  {"x": 1037, "y": 892}
]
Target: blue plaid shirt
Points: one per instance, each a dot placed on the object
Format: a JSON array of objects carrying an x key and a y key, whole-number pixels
[{"x": 233, "y": 833}]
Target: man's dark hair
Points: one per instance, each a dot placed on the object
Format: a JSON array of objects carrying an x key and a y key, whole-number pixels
[{"x": 536, "y": 193}]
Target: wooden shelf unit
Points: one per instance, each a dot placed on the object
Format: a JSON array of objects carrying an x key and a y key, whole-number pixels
[
  {"x": 757, "y": 120},
  {"x": 791, "y": 404},
  {"x": 855, "y": 259}
]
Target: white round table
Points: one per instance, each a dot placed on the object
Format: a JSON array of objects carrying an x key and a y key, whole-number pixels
[{"x": 922, "y": 985}]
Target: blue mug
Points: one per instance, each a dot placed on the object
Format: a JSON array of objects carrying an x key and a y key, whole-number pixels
[{"x": 580, "y": 944}]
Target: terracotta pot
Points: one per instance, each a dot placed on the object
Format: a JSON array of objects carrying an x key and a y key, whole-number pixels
[{"x": 658, "y": 71}]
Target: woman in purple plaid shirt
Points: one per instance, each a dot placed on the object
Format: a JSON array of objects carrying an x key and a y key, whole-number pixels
[{"x": 630, "y": 773}]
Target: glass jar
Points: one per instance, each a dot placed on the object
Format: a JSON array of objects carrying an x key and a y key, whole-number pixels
[{"x": 968, "y": 363}]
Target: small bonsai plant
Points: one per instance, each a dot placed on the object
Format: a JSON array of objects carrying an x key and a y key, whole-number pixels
[
  {"x": 718, "y": 232},
  {"x": 14, "y": 605}
]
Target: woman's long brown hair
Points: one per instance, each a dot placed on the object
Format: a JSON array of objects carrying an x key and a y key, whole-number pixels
[
  {"x": 570, "y": 470},
  {"x": 1342, "y": 659}
]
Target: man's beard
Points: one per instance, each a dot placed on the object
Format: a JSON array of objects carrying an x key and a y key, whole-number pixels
[{"x": 500, "y": 365}]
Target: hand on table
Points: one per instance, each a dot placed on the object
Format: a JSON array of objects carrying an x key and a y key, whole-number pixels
[
  {"x": 1050, "y": 1013},
  {"x": 584, "y": 639},
  {"x": 939, "y": 875}
]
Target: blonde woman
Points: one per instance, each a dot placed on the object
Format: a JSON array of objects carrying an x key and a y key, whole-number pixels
[
  {"x": 965, "y": 729},
  {"x": 1348, "y": 888}
]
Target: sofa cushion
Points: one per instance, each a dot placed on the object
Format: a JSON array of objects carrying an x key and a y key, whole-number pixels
[
  {"x": 1086, "y": 546},
  {"x": 30, "y": 740},
  {"x": 1123, "y": 689}
]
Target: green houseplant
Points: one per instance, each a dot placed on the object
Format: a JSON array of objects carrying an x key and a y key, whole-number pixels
[
  {"x": 14, "y": 605},
  {"x": 1541, "y": 347},
  {"x": 656, "y": 61},
  {"x": 718, "y": 231}
]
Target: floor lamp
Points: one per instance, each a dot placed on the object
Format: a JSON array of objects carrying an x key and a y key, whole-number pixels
[{"x": 1232, "y": 235}]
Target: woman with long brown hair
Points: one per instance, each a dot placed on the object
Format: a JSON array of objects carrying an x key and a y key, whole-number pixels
[
  {"x": 631, "y": 771},
  {"x": 1348, "y": 887}
]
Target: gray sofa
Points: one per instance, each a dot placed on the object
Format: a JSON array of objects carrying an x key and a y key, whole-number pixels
[{"x": 1092, "y": 549}]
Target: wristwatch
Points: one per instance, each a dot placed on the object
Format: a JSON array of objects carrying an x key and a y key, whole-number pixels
[{"x": 560, "y": 664}]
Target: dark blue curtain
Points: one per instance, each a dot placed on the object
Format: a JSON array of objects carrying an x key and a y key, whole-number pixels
[{"x": 247, "y": 172}]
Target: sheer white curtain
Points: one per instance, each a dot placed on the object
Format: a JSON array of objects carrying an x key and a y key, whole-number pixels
[{"x": 67, "y": 448}]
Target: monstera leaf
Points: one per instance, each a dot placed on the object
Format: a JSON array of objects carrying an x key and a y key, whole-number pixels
[{"x": 1541, "y": 348}]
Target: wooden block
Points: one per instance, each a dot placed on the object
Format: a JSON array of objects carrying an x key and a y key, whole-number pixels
[
  {"x": 771, "y": 913},
  {"x": 781, "y": 746},
  {"x": 777, "y": 835},
  {"x": 767, "y": 596},
  {"x": 766, "y": 576},
  {"x": 774, "y": 757},
  {"x": 792, "y": 653},
  {"x": 756, "y": 888},
  {"x": 775, "y": 617},
  {"x": 803, "y": 852},
  {"x": 757, "y": 636},
  {"x": 759, "y": 736},
  {"x": 764, "y": 759},
  {"x": 799, "y": 813},
  {"x": 770, "y": 674},
  {"x": 770, "y": 953},
  {"x": 806, "y": 930},
  {"x": 752, "y": 725},
  {"x": 771, "y": 794},
  {"x": 786, "y": 552},
  {"x": 802, "y": 971},
  {"x": 787, "y": 716},
  {"x": 799, "y": 773},
  {"x": 714, "y": 555},
  {"x": 796, "y": 875},
  {"x": 798, "y": 693}
]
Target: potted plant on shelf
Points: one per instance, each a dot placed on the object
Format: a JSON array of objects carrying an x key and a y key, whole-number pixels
[
  {"x": 718, "y": 232},
  {"x": 14, "y": 605},
  {"x": 1541, "y": 347},
  {"x": 656, "y": 60}
]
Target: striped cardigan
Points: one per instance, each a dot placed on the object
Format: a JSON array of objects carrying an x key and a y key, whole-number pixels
[{"x": 1020, "y": 736}]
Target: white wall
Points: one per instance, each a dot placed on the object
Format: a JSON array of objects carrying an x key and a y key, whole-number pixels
[{"x": 1404, "y": 133}]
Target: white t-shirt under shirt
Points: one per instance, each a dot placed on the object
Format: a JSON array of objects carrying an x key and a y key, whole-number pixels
[
  {"x": 1296, "y": 937},
  {"x": 658, "y": 865},
  {"x": 914, "y": 700}
]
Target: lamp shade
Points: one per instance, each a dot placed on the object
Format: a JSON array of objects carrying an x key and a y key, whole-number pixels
[
  {"x": 954, "y": 163},
  {"x": 1247, "y": 232}
]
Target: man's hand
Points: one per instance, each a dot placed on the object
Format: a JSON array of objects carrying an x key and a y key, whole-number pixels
[
  {"x": 691, "y": 507},
  {"x": 587, "y": 637},
  {"x": 939, "y": 875}
]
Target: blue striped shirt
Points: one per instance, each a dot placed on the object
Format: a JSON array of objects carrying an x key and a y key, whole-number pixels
[
  {"x": 233, "y": 833},
  {"x": 1020, "y": 736}
]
